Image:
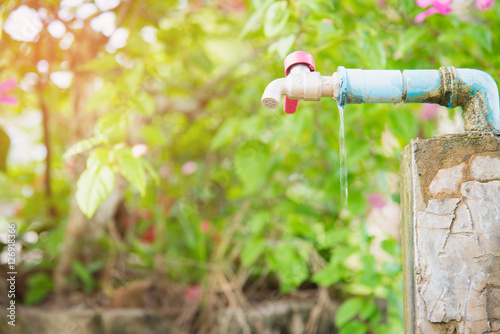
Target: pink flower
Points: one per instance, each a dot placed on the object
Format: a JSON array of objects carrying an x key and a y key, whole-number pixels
[
  {"x": 232, "y": 6},
  {"x": 328, "y": 22},
  {"x": 193, "y": 293},
  {"x": 424, "y": 3},
  {"x": 442, "y": 7},
  {"x": 189, "y": 168},
  {"x": 381, "y": 3},
  {"x": 139, "y": 150},
  {"x": 5, "y": 87},
  {"x": 428, "y": 111},
  {"x": 484, "y": 4},
  {"x": 205, "y": 226},
  {"x": 376, "y": 200}
]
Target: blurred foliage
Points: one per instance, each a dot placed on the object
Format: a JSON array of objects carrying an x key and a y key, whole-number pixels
[{"x": 224, "y": 181}]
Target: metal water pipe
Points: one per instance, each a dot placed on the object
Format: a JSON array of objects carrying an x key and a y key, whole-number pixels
[{"x": 473, "y": 90}]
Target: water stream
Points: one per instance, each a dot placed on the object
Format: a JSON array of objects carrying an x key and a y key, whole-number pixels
[{"x": 343, "y": 157}]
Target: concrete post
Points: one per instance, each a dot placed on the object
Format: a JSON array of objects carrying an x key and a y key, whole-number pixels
[{"x": 450, "y": 228}]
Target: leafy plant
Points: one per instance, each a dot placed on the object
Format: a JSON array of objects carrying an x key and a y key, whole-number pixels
[
  {"x": 222, "y": 188},
  {"x": 84, "y": 274},
  {"x": 39, "y": 286}
]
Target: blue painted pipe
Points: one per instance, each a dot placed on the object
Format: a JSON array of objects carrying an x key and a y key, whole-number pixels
[{"x": 475, "y": 91}]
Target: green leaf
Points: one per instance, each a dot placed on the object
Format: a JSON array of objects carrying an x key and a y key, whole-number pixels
[
  {"x": 407, "y": 5},
  {"x": 225, "y": 134},
  {"x": 154, "y": 135},
  {"x": 82, "y": 146},
  {"x": 369, "y": 275},
  {"x": 39, "y": 286},
  {"x": 102, "y": 98},
  {"x": 298, "y": 227},
  {"x": 95, "y": 183},
  {"x": 258, "y": 222},
  {"x": 112, "y": 126},
  {"x": 276, "y": 18},
  {"x": 251, "y": 252},
  {"x": 221, "y": 50},
  {"x": 336, "y": 236},
  {"x": 374, "y": 53},
  {"x": 396, "y": 198},
  {"x": 283, "y": 45},
  {"x": 347, "y": 311},
  {"x": 132, "y": 169},
  {"x": 84, "y": 275},
  {"x": 133, "y": 78},
  {"x": 151, "y": 171},
  {"x": 99, "y": 64},
  {"x": 301, "y": 193},
  {"x": 253, "y": 21},
  {"x": 409, "y": 38},
  {"x": 99, "y": 156},
  {"x": 391, "y": 246},
  {"x": 35, "y": 296},
  {"x": 342, "y": 254},
  {"x": 480, "y": 34},
  {"x": 146, "y": 103},
  {"x": 368, "y": 310},
  {"x": 391, "y": 269},
  {"x": 250, "y": 164},
  {"x": 329, "y": 275},
  {"x": 291, "y": 268},
  {"x": 354, "y": 327},
  {"x": 4, "y": 149},
  {"x": 403, "y": 124}
]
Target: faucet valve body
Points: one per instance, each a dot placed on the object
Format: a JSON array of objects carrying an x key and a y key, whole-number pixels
[
  {"x": 301, "y": 82},
  {"x": 298, "y": 64},
  {"x": 304, "y": 86}
]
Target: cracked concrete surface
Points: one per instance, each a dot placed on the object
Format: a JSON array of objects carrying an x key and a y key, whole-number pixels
[{"x": 451, "y": 235}]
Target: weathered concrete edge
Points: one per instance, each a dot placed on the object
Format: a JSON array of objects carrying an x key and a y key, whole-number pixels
[
  {"x": 411, "y": 195},
  {"x": 282, "y": 316},
  {"x": 407, "y": 229}
]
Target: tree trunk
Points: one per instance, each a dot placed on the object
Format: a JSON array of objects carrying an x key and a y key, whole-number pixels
[{"x": 82, "y": 234}]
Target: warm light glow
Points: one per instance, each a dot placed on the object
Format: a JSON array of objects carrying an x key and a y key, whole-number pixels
[
  {"x": 61, "y": 79},
  {"x": 66, "y": 41},
  {"x": 148, "y": 34},
  {"x": 86, "y": 10},
  {"x": 118, "y": 40},
  {"x": 42, "y": 66},
  {"x": 105, "y": 5},
  {"x": 23, "y": 24},
  {"x": 56, "y": 28},
  {"x": 104, "y": 23},
  {"x": 71, "y": 3}
]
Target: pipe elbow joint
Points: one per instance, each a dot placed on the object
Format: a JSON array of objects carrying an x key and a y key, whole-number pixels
[
  {"x": 473, "y": 90},
  {"x": 477, "y": 94}
]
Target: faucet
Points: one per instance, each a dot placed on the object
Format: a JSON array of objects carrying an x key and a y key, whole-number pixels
[{"x": 473, "y": 90}]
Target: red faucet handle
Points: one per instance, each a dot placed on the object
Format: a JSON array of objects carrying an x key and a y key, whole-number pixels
[
  {"x": 290, "y": 106},
  {"x": 297, "y": 57}
]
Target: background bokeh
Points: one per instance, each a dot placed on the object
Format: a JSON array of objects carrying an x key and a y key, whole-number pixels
[{"x": 134, "y": 148}]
